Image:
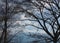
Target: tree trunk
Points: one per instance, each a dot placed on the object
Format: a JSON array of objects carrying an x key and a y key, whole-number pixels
[
  {"x": 5, "y": 23},
  {"x": 5, "y": 37},
  {"x": 5, "y": 32},
  {"x": 55, "y": 41}
]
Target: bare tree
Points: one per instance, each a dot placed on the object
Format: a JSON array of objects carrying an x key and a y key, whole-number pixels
[
  {"x": 6, "y": 14},
  {"x": 49, "y": 17}
]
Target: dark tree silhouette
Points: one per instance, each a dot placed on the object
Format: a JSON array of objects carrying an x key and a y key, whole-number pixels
[
  {"x": 6, "y": 14},
  {"x": 49, "y": 17}
]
